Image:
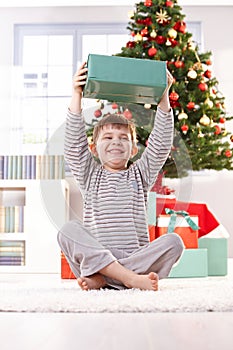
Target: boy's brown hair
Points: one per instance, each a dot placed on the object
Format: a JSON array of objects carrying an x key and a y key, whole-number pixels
[{"x": 115, "y": 119}]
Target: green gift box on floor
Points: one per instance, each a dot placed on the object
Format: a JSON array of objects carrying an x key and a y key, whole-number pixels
[
  {"x": 123, "y": 79},
  {"x": 193, "y": 263},
  {"x": 217, "y": 254}
]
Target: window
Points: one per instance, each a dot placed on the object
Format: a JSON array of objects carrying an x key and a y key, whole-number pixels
[{"x": 46, "y": 58}]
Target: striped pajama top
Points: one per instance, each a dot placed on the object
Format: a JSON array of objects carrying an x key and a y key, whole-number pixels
[{"x": 115, "y": 203}]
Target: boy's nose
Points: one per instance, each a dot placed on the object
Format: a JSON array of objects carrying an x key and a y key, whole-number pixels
[{"x": 116, "y": 141}]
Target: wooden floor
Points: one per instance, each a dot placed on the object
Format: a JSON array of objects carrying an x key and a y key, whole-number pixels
[{"x": 116, "y": 331}]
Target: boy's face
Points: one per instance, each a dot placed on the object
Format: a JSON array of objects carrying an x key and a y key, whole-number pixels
[{"x": 114, "y": 147}]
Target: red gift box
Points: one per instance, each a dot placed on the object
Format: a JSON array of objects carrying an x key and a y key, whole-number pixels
[
  {"x": 188, "y": 235},
  {"x": 66, "y": 272},
  {"x": 151, "y": 229}
]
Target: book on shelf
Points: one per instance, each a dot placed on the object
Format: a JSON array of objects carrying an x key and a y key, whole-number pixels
[
  {"x": 12, "y": 252},
  {"x": 11, "y": 219},
  {"x": 13, "y": 167}
]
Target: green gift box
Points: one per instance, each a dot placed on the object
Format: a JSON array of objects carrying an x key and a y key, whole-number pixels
[
  {"x": 193, "y": 263},
  {"x": 217, "y": 254},
  {"x": 151, "y": 211},
  {"x": 123, "y": 79}
]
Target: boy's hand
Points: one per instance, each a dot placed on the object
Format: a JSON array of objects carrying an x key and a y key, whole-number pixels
[
  {"x": 79, "y": 79},
  {"x": 169, "y": 80},
  {"x": 164, "y": 103}
]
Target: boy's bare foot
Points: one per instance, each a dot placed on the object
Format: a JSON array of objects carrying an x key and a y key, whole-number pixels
[
  {"x": 144, "y": 282},
  {"x": 95, "y": 281}
]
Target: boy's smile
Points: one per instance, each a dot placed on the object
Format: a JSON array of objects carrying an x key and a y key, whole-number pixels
[{"x": 114, "y": 147}]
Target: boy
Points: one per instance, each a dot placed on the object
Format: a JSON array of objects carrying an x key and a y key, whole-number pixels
[{"x": 111, "y": 248}]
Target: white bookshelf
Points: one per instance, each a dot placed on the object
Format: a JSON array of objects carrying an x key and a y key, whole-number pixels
[{"x": 46, "y": 204}]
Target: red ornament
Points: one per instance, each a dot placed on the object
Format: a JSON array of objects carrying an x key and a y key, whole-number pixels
[
  {"x": 152, "y": 51},
  {"x": 169, "y": 4},
  {"x": 173, "y": 42},
  {"x": 191, "y": 105},
  {"x": 176, "y": 26},
  {"x": 179, "y": 64},
  {"x": 130, "y": 44},
  {"x": 148, "y": 3},
  {"x": 148, "y": 21},
  {"x": 208, "y": 62},
  {"x": 127, "y": 114},
  {"x": 144, "y": 32},
  {"x": 217, "y": 130},
  {"x": 98, "y": 113},
  {"x": 208, "y": 74},
  {"x": 184, "y": 128},
  {"x": 222, "y": 120},
  {"x": 228, "y": 153},
  {"x": 203, "y": 86},
  {"x": 145, "y": 45},
  {"x": 180, "y": 27},
  {"x": 114, "y": 105},
  {"x": 174, "y": 104},
  {"x": 174, "y": 96},
  {"x": 160, "y": 39},
  {"x": 140, "y": 21}
]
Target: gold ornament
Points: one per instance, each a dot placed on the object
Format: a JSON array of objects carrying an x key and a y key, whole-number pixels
[
  {"x": 209, "y": 103},
  {"x": 162, "y": 16},
  {"x": 172, "y": 33},
  {"x": 182, "y": 115},
  {"x": 153, "y": 34},
  {"x": 192, "y": 74},
  {"x": 168, "y": 43},
  {"x": 205, "y": 120},
  {"x": 138, "y": 37}
]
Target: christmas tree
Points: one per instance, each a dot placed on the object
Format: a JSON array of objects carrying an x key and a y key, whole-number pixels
[{"x": 201, "y": 141}]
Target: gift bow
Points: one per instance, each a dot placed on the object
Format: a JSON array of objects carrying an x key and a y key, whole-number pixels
[{"x": 172, "y": 223}]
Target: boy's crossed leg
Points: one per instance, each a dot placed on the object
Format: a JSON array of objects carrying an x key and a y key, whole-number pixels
[{"x": 118, "y": 272}]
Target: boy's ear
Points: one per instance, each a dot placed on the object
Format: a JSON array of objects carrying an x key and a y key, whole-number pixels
[
  {"x": 134, "y": 151},
  {"x": 93, "y": 149}
]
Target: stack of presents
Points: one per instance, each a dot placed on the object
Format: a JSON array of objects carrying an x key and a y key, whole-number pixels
[
  {"x": 205, "y": 240},
  {"x": 123, "y": 79}
]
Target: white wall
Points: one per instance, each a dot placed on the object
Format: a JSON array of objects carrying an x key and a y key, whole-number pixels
[{"x": 217, "y": 33}]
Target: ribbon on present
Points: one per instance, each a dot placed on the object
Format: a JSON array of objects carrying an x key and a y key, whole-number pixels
[{"x": 172, "y": 222}]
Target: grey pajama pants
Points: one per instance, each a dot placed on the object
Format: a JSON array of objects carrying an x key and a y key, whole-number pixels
[{"x": 86, "y": 256}]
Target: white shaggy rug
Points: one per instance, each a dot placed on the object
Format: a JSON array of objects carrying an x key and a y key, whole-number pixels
[{"x": 211, "y": 294}]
